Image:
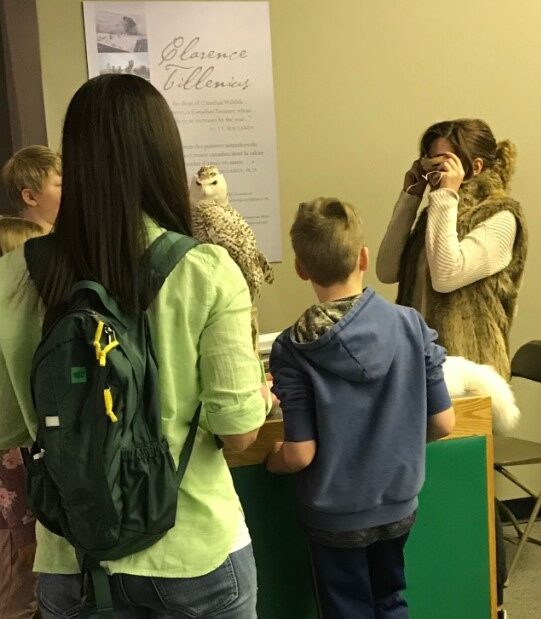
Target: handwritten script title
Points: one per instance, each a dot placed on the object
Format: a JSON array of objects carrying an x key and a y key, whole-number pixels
[{"x": 184, "y": 64}]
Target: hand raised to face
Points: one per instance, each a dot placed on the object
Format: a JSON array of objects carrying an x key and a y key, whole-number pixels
[
  {"x": 452, "y": 172},
  {"x": 414, "y": 181}
]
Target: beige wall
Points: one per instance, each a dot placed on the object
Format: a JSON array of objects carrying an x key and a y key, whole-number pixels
[{"x": 356, "y": 83}]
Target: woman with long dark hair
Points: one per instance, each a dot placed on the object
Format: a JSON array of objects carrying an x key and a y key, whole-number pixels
[{"x": 124, "y": 183}]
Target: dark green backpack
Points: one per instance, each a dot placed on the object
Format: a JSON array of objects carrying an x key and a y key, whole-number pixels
[{"x": 101, "y": 473}]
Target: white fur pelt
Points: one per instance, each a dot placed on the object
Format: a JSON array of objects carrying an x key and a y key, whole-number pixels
[{"x": 466, "y": 378}]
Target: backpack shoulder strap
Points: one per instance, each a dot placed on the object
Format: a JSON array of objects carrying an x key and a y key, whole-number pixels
[
  {"x": 187, "y": 448},
  {"x": 163, "y": 256}
]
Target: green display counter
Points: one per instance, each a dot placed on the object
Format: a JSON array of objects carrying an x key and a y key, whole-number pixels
[{"x": 450, "y": 554}]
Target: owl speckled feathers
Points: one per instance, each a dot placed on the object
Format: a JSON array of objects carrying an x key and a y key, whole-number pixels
[{"x": 214, "y": 220}]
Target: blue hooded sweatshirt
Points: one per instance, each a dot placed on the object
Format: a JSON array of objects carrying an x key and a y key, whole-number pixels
[{"x": 362, "y": 391}]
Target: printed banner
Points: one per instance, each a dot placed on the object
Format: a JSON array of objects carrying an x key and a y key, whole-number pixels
[{"x": 212, "y": 63}]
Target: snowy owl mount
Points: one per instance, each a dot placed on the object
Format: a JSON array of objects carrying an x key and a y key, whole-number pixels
[{"x": 215, "y": 221}]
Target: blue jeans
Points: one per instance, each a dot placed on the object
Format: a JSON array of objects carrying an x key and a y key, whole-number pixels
[{"x": 228, "y": 592}]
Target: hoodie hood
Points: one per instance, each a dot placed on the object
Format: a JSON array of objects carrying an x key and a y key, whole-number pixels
[{"x": 355, "y": 348}]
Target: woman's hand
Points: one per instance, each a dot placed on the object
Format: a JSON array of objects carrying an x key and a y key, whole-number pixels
[
  {"x": 452, "y": 173},
  {"x": 414, "y": 183}
]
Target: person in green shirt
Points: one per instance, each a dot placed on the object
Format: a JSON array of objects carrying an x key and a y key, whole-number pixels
[{"x": 124, "y": 182}]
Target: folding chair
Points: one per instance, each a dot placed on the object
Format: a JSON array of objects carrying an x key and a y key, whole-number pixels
[{"x": 510, "y": 451}]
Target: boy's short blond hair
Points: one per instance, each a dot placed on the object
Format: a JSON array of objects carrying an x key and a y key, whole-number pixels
[
  {"x": 28, "y": 168},
  {"x": 327, "y": 235},
  {"x": 15, "y": 231}
]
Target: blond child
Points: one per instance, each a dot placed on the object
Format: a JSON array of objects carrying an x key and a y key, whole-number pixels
[
  {"x": 33, "y": 182},
  {"x": 17, "y": 536},
  {"x": 361, "y": 388}
]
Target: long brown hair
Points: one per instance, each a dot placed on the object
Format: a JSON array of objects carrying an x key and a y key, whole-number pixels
[{"x": 470, "y": 137}]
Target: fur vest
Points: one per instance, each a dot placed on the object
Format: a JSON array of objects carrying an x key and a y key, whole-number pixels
[{"x": 474, "y": 321}]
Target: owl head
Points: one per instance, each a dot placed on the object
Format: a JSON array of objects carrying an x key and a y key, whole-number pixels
[{"x": 208, "y": 184}]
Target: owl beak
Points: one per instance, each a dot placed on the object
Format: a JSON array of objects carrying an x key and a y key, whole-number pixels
[{"x": 206, "y": 191}]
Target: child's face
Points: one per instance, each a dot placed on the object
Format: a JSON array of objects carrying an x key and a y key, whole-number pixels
[{"x": 48, "y": 197}]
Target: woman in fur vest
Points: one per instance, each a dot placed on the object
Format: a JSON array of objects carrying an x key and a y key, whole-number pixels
[
  {"x": 461, "y": 264},
  {"x": 460, "y": 260}
]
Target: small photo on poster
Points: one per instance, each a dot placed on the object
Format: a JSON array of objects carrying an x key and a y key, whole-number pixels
[
  {"x": 122, "y": 30},
  {"x": 130, "y": 64}
]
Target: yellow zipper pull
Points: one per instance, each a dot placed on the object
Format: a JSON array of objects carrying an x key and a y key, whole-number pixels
[
  {"x": 97, "y": 339},
  {"x": 108, "y": 399},
  {"x": 104, "y": 352},
  {"x": 101, "y": 353}
]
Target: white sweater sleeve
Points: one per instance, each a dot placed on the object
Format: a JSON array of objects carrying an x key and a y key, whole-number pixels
[
  {"x": 486, "y": 250},
  {"x": 398, "y": 231}
]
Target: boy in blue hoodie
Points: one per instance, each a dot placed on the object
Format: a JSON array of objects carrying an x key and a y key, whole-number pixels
[{"x": 361, "y": 387}]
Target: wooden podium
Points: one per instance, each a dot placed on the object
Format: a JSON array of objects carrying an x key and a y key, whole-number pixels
[{"x": 450, "y": 556}]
